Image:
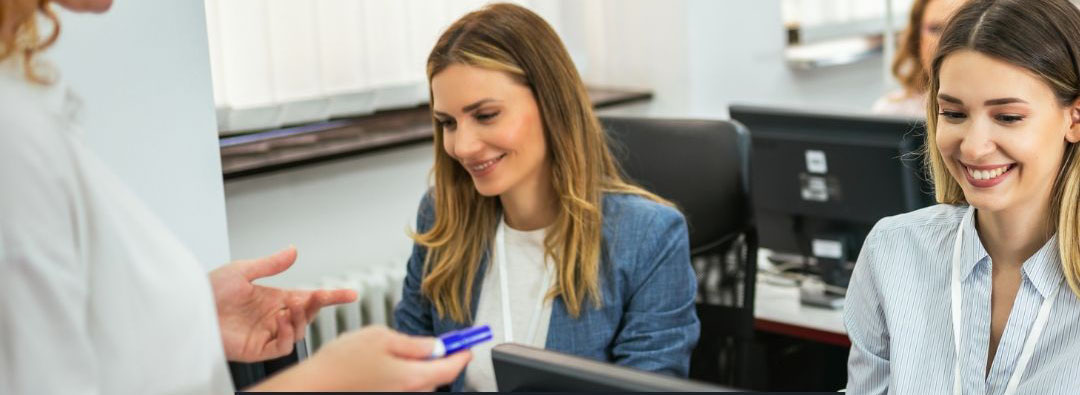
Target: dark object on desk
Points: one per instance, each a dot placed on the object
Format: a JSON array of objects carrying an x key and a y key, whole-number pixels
[
  {"x": 820, "y": 181},
  {"x": 521, "y": 368},
  {"x": 703, "y": 167},
  {"x": 248, "y": 374},
  {"x": 271, "y": 150}
]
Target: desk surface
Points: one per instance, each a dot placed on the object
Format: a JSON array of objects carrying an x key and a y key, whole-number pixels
[{"x": 777, "y": 309}]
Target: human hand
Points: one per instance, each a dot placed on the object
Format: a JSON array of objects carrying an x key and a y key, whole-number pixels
[
  {"x": 258, "y": 322},
  {"x": 374, "y": 358}
]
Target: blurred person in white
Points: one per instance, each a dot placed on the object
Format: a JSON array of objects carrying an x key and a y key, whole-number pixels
[
  {"x": 98, "y": 297},
  {"x": 911, "y": 64},
  {"x": 979, "y": 294}
]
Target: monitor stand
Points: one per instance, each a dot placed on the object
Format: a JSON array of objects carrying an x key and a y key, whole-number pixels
[{"x": 829, "y": 251}]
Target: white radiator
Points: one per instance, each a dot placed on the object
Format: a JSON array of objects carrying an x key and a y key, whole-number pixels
[{"x": 378, "y": 290}]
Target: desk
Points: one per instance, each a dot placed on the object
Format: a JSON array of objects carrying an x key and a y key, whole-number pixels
[
  {"x": 266, "y": 151},
  {"x": 777, "y": 309}
]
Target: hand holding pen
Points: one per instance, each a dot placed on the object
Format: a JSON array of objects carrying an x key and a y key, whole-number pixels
[{"x": 374, "y": 358}]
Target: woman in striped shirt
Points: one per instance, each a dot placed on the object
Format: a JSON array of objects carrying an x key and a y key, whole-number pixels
[{"x": 979, "y": 294}]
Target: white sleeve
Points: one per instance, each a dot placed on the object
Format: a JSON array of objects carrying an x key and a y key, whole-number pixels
[{"x": 45, "y": 345}]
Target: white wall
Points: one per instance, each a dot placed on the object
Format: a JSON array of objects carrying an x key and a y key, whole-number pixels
[
  {"x": 746, "y": 63},
  {"x": 143, "y": 72},
  {"x": 699, "y": 56},
  {"x": 696, "y": 55},
  {"x": 341, "y": 215},
  {"x": 639, "y": 44}
]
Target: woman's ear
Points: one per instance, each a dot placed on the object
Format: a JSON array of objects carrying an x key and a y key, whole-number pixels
[{"x": 1073, "y": 134}]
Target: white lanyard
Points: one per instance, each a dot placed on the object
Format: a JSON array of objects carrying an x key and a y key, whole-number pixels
[
  {"x": 500, "y": 259},
  {"x": 1029, "y": 343}
]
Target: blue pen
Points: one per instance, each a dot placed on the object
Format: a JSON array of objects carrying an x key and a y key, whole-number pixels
[{"x": 452, "y": 342}]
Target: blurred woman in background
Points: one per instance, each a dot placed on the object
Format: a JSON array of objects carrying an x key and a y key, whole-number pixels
[{"x": 911, "y": 64}]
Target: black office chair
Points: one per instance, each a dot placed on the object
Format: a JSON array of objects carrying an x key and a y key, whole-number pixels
[{"x": 703, "y": 167}]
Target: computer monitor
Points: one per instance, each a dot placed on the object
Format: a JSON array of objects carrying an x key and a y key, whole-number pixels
[
  {"x": 820, "y": 181},
  {"x": 521, "y": 368}
]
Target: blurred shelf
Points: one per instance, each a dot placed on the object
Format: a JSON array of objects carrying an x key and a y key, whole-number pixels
[
  {"x": 277, "y": 149},
  {"x": 833, "y": 52}
]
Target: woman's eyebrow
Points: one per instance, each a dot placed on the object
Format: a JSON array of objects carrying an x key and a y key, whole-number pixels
[{"x": 1003, "y": 101}]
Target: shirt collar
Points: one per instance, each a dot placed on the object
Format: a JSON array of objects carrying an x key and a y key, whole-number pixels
[
  {"x": 56, "y": 96},
  {"x": 1043, "y": 268},
  {"x": 971, "y": 248}
]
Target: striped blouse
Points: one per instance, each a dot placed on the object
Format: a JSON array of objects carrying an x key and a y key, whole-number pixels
[{"x": 899, "y": 318}]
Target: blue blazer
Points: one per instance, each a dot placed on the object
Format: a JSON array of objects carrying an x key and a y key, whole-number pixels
[{"x": 648, "y": 320}]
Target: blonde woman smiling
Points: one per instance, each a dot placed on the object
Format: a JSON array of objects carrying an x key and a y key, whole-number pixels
[
  {"x": 978, "y": 295},
  {"x": 529, "y": 227}
]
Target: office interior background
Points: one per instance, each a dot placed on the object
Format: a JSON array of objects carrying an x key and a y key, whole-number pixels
[
  {"x": 695, "y": 57},
  {"x": 220, "y": 70}
]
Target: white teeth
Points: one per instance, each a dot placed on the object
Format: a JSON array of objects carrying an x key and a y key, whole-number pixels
[
  {"x": 987, "y": 174},
  {"x": 482, "y": 166}
]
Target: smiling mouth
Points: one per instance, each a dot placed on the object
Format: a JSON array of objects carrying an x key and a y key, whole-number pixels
[
  {"x": 485, "y": 165},
  {"x": 988, "y": 174}
]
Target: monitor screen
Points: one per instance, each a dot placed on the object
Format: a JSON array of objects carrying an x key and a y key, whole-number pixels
[
  {"x": 820, "y": 178},
  {"x": 523, "y": 368}
]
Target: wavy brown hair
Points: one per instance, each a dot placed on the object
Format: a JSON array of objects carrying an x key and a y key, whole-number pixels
[
  {"x": 1043, "y": 37},
  {"x": 906, "y": 66},
  {"x": 516, "y": 41},
  {"x": 20, "y": 35}
]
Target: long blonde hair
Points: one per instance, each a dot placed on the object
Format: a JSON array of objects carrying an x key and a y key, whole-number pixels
[
  {"x": 1043, "y": 37},
  {"x": 514, "y": 40},
  {"x": 20, "y": 34}
]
